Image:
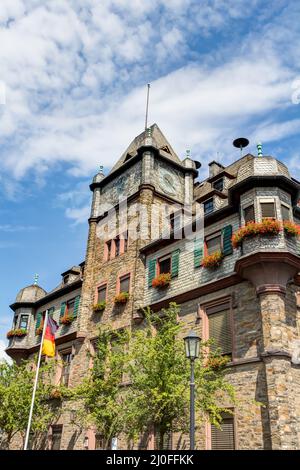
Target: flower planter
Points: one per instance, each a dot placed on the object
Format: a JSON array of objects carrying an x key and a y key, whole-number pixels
[
  {"x": 217, "y": 363},
  {"x": 162, "y": 281},
  {"x": 55, "y": 394},
  {"x": 266, "y": 228},
  {"x": 291, "y": 230},
  {"x": 99, "y": 307},
  {"x": 121, "y": 298},
  {"x": 67, "y": 320},
  {"x": 17, "y": 332},
  {"x": 39, "y": 330},
  {"x": 212, "y": 261}
]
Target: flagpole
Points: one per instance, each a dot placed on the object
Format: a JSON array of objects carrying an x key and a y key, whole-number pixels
[{"x": 35, "y": 382}]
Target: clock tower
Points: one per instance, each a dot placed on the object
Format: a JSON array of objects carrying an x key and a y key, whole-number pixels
[{"x": 149, "y": 178}]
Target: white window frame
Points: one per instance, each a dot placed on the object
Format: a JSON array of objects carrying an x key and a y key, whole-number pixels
[
  {"x": 287, "y": 207},
  {"x": 266, "y": 200}
]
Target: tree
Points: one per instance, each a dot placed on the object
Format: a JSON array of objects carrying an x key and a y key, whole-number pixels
[
  {"x": 103, "y": 401},
  {"x": 16, "y": 387},
  {"x": 159, "y": 394}
]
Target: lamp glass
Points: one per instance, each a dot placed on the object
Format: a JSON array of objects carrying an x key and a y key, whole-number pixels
[{"x": 192, "y": 345}]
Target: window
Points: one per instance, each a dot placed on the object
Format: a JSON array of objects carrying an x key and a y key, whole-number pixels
[
  {"x": 65, "y": 373},
  {"x": 164, "y": 265},
  {"x": 208, "y": 206},
  {"x": 219, "y": 184},
  {"x": 213, "y": 243},
  {"x": 223, "y": 438},
  {"x": 285, "y": 212},
  {"x": 267, "y": 210},
  {"x": 24, "y": 322},
  {"x": 70, "y": 307},
  {"x": 219, "y": 328},
  {"x": 249, "y": 214},
  {"x": 117, "y": 246},
  {"x": 15, "y": 322},
  {"x": 125, "y": 283},
  {"x": 56, "y": 437},
  {"x": 102, "y": 293},
  {"x": 162, "y": 441},
  {"x": 108, "y": 250},
  {"x": 99, "y": 442},
  {"x": 66, "y": 279}
]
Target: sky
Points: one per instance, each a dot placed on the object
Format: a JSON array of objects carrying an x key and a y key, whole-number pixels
[{"x": 73, "y": 79}]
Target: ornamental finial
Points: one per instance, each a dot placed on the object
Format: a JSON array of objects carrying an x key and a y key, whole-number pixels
[
  {"x": 259, "y": 150},
  {"x": 36, "y": 279}
]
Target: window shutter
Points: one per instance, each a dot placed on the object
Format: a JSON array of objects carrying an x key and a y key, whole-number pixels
[
  {"x": 198, "y": 252},
  {"x": 175, "y": 263},
  {"x": 151, "y": 271},
  {"x": 227, "y": 243},
  {"x": 223, "y": 439},
  {"x": 220, "y": 331},
  {"x": 39, "y": 317},
  {"x": 62, "y": 309},
  {"x": 76, "y": 306}
]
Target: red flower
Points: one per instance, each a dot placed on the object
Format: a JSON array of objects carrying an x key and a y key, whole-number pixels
[
  {"x": 162, "y": 280},
  {"x": 251, "y": 229},
  {"x": 213, "y": 260}
]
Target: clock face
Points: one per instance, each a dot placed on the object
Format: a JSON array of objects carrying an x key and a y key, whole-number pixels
[{"x": 168, "y": 182}]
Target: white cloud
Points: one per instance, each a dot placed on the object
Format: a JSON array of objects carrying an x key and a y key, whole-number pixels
[{"x": 75, "y": 75}]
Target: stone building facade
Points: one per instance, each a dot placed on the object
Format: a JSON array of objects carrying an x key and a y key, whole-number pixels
[{"x": 254, "y": 293}]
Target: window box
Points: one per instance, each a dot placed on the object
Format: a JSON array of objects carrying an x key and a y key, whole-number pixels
[
  {"x": 56, "y": 394},
  {"x": 19, "y": 332},
  {"x": 291, "y": 229},
  {"x": 99, "y": 307},
  {"x": 213, "y": 261},
  {"x": 162, "y": 280},
  {"x": 252, "y": 229},
  {"x": 121, "y": 298},
  {"x": 67, "y": 319}
]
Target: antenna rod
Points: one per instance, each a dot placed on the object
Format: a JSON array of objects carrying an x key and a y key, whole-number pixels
[{"x": 147, "y": 106}]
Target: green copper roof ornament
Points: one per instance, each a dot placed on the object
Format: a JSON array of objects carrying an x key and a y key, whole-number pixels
[
  {"x": 188, "y": 153},
  {"x": 259, "y": 150},
  {"x": 36, "y": 279},
  {"x": 101, "y": 169},
  {"x": 149, "y": 132}
]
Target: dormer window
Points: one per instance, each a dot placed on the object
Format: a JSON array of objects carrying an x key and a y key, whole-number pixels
[
  {"x": 219, "y": 184},
  {"x": 208, "y": 206},
  {"x": 66, "y": 279}
]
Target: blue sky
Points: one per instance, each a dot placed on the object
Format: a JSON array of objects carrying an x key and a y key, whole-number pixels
[{"x": 73, "y": 78}]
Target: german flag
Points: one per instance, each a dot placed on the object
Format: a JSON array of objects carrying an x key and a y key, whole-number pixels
[{"x": 49, "y": 338}]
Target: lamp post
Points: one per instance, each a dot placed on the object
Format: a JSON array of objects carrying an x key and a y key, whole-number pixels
[{"x": 192, "y": 348}]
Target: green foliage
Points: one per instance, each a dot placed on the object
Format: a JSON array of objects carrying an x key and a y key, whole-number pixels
[
  {"x": 16, "y": 387},
  {"x": 103, "y": 402}
]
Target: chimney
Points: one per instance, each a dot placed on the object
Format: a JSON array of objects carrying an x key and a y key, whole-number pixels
[{"x": 215, "y": 168}]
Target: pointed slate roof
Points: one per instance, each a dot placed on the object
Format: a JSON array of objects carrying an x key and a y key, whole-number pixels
[{"x": 158, "y": 140}]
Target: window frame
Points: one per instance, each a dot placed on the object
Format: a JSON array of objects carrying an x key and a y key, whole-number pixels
[
  {"x": 205, "y": 321},
  {"x": 286, "y": 206},
  {"x": 162, "y": 258},
  {"x": 62, "y": 353},
  {"x": 60, "y": 426},
  {"x": 243, "y": 212},
  {"x": 215, "y": 182},
  {"x": 20, "y": 321},
  {"x": 211, "y": 236},
  {"x": 98, "y": 286},
  {"x": 128, "y": 274},
  {"x": 267, "y": 201},
  {"x": 205, "y": 202},
  {"x": 67, "y": 305},
  {"x": 208, "y": 439}
]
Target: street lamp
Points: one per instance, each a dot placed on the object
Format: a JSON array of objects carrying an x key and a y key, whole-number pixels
[{"x": 192, "y": 348}]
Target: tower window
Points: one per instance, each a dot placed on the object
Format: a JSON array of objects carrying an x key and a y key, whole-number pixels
[
  {"x": 24, "y": 322},
  {"x": 102, "y": 293},
  {"x": 219, "y": 184},
  {"x": 249, "y": 215},
  {"x": 267, "y": 210},
  {"x": 213, "y": 243},
  {"x": 285, "y": 212},
  {"x": 208, "y": 206}
]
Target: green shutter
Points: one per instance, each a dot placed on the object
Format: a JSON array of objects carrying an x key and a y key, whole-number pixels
[
  {"x": 62, "y": 309},
  {"x": 76, "y": 305},
  {"x": 227, "y": 243},
  {"x": 151, "y": 271},
  {"x": 39, "y": 317},
  {"x": 198, "y": 252},
  {"x": 175, "y": 263}
]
